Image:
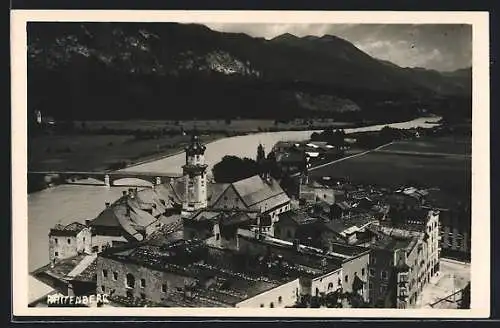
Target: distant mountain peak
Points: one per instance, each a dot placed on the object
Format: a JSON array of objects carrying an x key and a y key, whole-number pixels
[{"x": 285, "y": 37}]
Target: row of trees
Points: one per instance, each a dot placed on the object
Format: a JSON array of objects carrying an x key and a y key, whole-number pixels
[
  {"x": 233, "y": 168},
  {"x": 333, "y": 137}
]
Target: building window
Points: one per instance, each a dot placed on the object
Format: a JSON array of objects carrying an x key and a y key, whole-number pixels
[
  {"x": 56, "y": 254},
  {"x": 363, "y": 272},
  {"x": 280, "y": 299},
  {"x": 143, "y": 283},
  {"x": 339, "y": 282},
  {"x": 373, "y": 260},
  {"x": 130, "y": 294},
  {"x": 261, "y": 305},
  {"x": 105, "y": 273},
  {"x": 372, "y": 272},
  {"x": 164, "y": 288},
  {"x": 84, "y": 239},
  {"x": 103, "y": 288},
  {"x": 217, "y": 236},
  {"x": 69, "y": 241},
  {"x": 143, "y": 296},
  {"x": 56, "y": 240},
  {"x": 330, "y": 285},
  {"x": 130, "y": 279},
  {"x": 115, "y": 275},
  {"x": 346, "y": 278},
  {"x": 271, "y": 305},
  {"x": 383, "y": 274}
]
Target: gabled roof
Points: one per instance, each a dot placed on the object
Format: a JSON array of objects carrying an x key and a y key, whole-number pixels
[
  {"x": 215, "y": 190},
  {"x": 106, "y": 218},
  {"x": 255, "y": 192},
  {"x": 123, "y": 214},
  {"x": 71, "y": 229}
]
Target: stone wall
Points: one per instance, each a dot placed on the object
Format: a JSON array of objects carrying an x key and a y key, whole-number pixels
[
  {"x": 63, "y": 247},
  {"x": 357, "y": 266},
  {"x": 158, "y": 285},
  {"x": 328, "y": 283},
  {"x": 281, "y": 296}
]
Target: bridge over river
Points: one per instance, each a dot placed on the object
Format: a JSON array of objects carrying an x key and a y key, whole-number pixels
[{"x": 108, "y": 178}]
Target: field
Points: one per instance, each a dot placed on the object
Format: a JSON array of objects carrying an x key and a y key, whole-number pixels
[
  {"x": 98, "y": 152},
  {"x": 431, "y": 162},
  {"x": 442, "y": 145},
  {"x": 233, "y": 126},
  {"x": 98, "y": 145}
]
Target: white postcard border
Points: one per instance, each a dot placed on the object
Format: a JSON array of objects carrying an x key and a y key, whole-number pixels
[{"x": 480, "y": 234}]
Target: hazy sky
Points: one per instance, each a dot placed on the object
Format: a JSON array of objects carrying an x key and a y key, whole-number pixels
[{"x": 433, "y": 46}]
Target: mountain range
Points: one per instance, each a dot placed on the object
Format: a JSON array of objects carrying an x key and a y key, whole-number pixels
[{"x": 177, "y": 71}]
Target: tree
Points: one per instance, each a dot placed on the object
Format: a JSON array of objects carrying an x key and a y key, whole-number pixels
[
  {"x": 315, "y": 136},
  {"x": 233, "y": 168},
  {"x": 465, "y": 302},
  {"x": 261, "y": 155}
]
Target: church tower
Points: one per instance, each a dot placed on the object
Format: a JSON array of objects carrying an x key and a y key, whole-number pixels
[
  {"x": 195, "y": 176},
  {"x": 304, "y": 172}
]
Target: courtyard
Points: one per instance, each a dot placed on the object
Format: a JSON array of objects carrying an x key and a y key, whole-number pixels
[{"x": 453, "y": 276}]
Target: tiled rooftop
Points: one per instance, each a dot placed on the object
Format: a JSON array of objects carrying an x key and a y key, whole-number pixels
[
  {"x": 71, "y": 229},
  {"x": 62, "y": 268},
  {"x": 192, "y": 258},
  {"x": 308, "y": 260},
  {"x": 391, "y": 243},
  {"x": 256, "y": 192},
  {"x": 300, "y": 216}
]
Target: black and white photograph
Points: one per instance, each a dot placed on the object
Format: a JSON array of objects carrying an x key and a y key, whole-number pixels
[{"x": 275, "y": 165}]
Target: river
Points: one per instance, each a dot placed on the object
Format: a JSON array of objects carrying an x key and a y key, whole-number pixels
[{"x": 68, "y": 203}]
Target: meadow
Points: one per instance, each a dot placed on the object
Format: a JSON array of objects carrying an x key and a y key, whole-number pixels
[
  {"x": 99, "y": 152},
  {"x": 100, "y": 145},
  {"x": 452, "y": 174}
]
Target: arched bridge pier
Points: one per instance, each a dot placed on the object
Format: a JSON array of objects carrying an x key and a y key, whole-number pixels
[{"x": 108, "y": 178}]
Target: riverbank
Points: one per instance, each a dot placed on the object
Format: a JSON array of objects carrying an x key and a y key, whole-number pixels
[
  {"x": 86, "y": 149},
  {"x": 112, "y": 145}
]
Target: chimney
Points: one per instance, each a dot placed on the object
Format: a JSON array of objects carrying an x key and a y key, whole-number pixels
[
  {"x": 87, "y": 222},
  {"x": 124, "y": 193},
  {"x": 107, "y": 204}
]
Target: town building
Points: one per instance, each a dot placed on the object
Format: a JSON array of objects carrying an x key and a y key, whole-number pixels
[
  {"x": 455, "y": 233},
  {"x": 122, "y": 222},
  {"x": 69, "y": 241},
  {"x": 71, "y": 276},
  {"x": 405, "y": 258},
  {"x": 193, "y": 242},
  {"x": 263, "y": 195},
  {"x": 261, "y": 272}
]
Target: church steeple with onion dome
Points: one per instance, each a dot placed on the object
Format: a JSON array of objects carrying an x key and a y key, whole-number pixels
[{"x": 195, "y": 174}]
